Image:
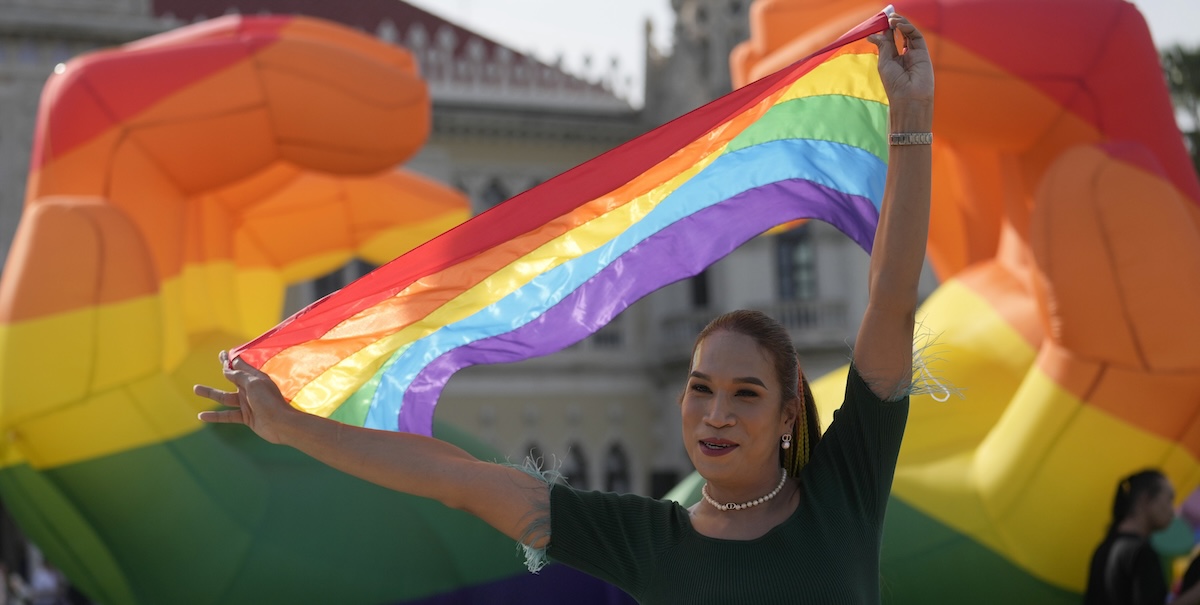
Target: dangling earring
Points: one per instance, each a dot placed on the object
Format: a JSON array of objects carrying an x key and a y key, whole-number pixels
[{"x": 787, "y": 440}]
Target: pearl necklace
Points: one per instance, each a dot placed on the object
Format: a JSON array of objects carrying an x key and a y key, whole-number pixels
[{"x": 744, "y": 505}]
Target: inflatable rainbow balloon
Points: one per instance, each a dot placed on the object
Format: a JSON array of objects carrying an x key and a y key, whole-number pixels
[{"x": 1066, "y": 231}]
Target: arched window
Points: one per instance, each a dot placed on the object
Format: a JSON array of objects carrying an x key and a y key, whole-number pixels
[
  {"x": 495, "y": 193},
  {"x": 574, "y": 468},
  {"x": 700, "y": 290},
  {"x": 387, "y": 31},
  {"x": 616, "y": 470}
]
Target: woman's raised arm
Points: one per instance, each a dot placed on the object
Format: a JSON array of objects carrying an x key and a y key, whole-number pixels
[
  {"x": 883, "y": 351},
  {"x": 505, "y": 497}
]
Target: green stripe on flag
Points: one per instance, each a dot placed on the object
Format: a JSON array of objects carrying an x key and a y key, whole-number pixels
[{"x": 836, "y": 118}]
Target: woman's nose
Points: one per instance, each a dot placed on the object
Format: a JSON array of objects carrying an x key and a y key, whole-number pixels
[{"x": 719, "y": 412}]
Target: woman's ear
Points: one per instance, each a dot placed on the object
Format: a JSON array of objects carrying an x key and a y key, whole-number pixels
[
  {"x": 790, "y": 411},
  {"x": 1142, "y": 502}
]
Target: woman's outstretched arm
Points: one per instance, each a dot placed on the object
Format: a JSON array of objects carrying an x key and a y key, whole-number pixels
[
  {"x": 883, "y": 351},
  {"x": 505, "y": 497}
]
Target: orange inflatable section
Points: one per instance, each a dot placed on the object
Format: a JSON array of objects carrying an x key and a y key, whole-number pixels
[
  {"x": 178, "y": 185},
  {"x": 1066, "y": 233},
  {"x": 1001, "y": 100}
]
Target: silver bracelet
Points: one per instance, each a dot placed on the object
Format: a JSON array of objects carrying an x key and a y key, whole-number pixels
[{"x": 910, "y": 138}]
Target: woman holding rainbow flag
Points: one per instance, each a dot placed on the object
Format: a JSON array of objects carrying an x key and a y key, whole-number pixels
[{"x": 787, "y": 514}]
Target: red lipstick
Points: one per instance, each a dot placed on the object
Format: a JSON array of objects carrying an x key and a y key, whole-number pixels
[{"x": 716, "y": 447}]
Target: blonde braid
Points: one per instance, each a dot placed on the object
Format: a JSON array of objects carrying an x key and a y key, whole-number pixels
[{"x": 797, "y": 456}]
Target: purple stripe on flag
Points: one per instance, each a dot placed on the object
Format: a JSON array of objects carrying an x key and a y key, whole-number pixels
[{"x": 681, "y": 250}]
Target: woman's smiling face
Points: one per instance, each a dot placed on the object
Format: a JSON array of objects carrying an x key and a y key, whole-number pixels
[{"x": 733, "y": 417}]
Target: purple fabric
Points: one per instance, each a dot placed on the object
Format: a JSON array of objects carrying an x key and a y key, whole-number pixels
[
  {"x": 682, "y": 250},
  {"x": 555, "y": 583}
]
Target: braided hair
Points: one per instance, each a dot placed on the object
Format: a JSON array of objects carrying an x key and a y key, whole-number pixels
[
  {"x": 774, "y": 339},
  {"x": 1146, "y": 483},
  {"x": 805, "y": 433}
]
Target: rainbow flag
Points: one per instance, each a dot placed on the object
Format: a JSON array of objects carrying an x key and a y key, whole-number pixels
[{"x": 552, "y": 265}]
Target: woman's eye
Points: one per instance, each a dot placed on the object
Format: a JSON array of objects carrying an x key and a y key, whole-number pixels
[
  {"x": 747, "y": 393},
  {"x": 700, "y": 388}
]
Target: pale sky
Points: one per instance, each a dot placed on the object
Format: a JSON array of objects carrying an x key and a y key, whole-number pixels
[{"x": 572, "y": 29}]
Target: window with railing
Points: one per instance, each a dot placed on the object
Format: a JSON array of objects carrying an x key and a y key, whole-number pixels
[{"x": 796, "y": 264}]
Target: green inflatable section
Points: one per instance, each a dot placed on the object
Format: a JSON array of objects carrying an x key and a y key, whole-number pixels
[
  {"x": 917, "y": 549},
  {"x": 158, "y": 524}
]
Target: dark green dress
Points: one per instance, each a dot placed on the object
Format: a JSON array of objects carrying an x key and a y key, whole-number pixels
[{"x": 826, "y": 552}]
